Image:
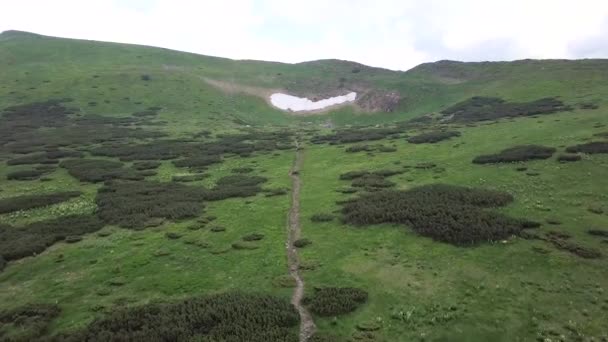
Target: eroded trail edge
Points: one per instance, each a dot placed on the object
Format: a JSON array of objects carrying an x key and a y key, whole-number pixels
[{"x": 307, "y": 325}]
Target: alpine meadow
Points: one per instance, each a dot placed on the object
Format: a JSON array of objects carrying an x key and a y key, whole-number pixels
[{"x": 148, "y": 194}]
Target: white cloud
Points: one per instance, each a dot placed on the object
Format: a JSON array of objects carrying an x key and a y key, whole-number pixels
[{"x": 396, "y": 34}]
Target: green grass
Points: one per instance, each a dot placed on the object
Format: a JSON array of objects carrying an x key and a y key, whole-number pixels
[{"x": 418, "y": 288}]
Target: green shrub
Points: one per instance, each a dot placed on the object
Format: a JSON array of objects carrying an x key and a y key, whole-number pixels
[
  {"x": 301, "y": 243},
  {"x": 322, "y": 217},
  {"x": 28, "y": 323},
  {"x": 432, "y": 137},
  {"x": 253, "y": 237},
  {"x": 598, "y": 232},
  {"x": 131, "y": 204},
  {"x": 333, "y": 301},
  {"x": 2, "y": 263},
  {"x": 491, "y": 108},
  {"x": 516, "y": 154},
  {"x": 23, "y": 175},
  {"x": 590, "y": 148},
  {"x": 569, "y": 157},
  {"x": 17, "y": 243},
  {"x": 146, "y": 165},
  {"x": 444, "y": 213},
  {"x": 189, "y": 178},
  {"x": 240, "y": 245},
  {"x": 98, "y": 170},
  {"x": 242, "y": 170},
  {"x": 352, "y": 135},
  {"x": 231, "y": 317},
  {"x": 26, "y": 202}
]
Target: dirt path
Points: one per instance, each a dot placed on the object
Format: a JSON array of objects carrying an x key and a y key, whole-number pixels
[{"x": 307, "y": 325}]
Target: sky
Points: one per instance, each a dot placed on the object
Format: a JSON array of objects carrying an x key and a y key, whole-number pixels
[{"x": 393, "y": 34}]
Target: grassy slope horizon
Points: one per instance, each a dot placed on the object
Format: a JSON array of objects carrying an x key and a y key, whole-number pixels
[
  {"x": 178, "y": 80},
  {"x": 419, "y": 289}
]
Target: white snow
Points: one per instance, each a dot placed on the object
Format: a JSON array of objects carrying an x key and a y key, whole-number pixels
[{"x": 298, "y": 104}]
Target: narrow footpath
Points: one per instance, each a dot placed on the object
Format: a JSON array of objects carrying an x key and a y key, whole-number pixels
[{"x": 307, "y": 325}]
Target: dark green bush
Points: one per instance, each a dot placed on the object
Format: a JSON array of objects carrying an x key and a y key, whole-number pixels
[
  {"x": 372, "y": 181},
  {"x": 590, "y": 148},
  {"x": 598, "y": 232},
  {"x": 2, "y": 264},
  {"x": 491, "y": 108},
  {"x": 26, "y": 202},
  {"x": 17, "y": 243},
  {"x": 516, "y": 154},
  {"x": 233, "y": 317},
  {"x": 568, "y": 157},
  {"x": 333, "y": 301},
  {"x": 301, "y": 243},
  {"x": 352, "y": 135},
  {"x": 242, "y": 170},
  {"x": 130, "y": 204},
  {"x": 98, "y": 170},
  {"x": 359, "y": 148},
  {"x": 189, "y": 178},
  {"x": 25, "y": 175},
  {"x": 432, "y": 137},
  {"x": 253, "y": 237},
  {"x": 198, "y": 161},
  {"x": 27, "y": 323},
  {"x": 444, "y": 213},
  {"x": 146, "y": 165},
  {"x": 49, "y": 157},
  {"x": 322, "y": 217},
  {"x": 353, "y": 174}
]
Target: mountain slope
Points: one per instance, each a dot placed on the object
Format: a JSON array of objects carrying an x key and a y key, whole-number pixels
[{"x": 107, "y": 73}]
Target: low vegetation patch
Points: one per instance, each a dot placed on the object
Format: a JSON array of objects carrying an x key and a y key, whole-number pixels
[
  {"x": 26, "y": 202},
  {"x": 25, "y": 175},
  {"x": 27, "y": 323},
  {"x": 589, "y": 148},
  {"x": 322, "y": 217},
  {"x": 20, "y": 242},
  {"x": 432, "y": 137},
  {"x": 516, "y": 154},
  {"x": 568, "y": 157},
  {"x": 234, "y": 317},
  {"x": 446, "y": 213},
  {"x": 98, "y": 170},
  {"x": 333, "y": 301},
  {"x": 130, "y": 204},
  {"x": 301, "y": 243},
  {"x": 480, "y": 108},
  {"x": 598, "y": 232},
  {"x": 352, "y": 135}
]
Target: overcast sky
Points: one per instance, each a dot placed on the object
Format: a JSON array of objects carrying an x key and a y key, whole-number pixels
[{"x": 395, "y": 34}]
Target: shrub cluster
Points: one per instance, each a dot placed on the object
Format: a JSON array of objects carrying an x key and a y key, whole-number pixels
[
  {"x": 301, "y": 243},
  {"x": 598, "y": 232},
  {"x": 590, "y": 148},
  {"x": 560, "y": 241},
  {"x": 131, "y": 204},
  {"x": 20, "y": 130},
  {"x": 233, "y": 317},
  {"x": 492, "y": 108},
  {"x": 516, "y": 154},
  {"x": 444, "y": 213},
  {"x": 17, "y": 243},
  {"x": 146, "y": 165},
  {"x": 352, "y": 135},
  {"x": 27, "y": 323},
  {"x": 25, "y": 174},
  {"x": 98, "y": 170},
  {"x": 370, "y": 180},
  {"x": 47, "y": 157},
  {"x": 322, "y": 217},
  {"x": 432, "y": 137},
  {"x": 333, "y": 301},
  {"x": 568, "y": 157},
  {"x": 26, "y": 202}
]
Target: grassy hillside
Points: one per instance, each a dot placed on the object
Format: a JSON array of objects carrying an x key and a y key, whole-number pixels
[{"x": 140, "y": 201}]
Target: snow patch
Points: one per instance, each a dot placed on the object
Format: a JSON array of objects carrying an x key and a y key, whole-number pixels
[{"x": 298, "y": 104}]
